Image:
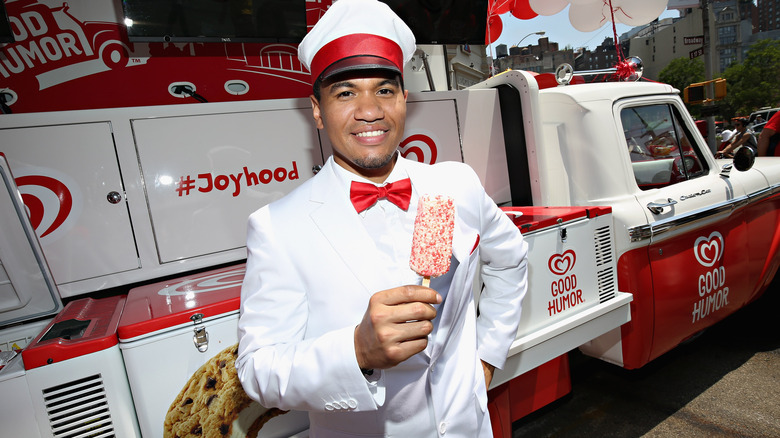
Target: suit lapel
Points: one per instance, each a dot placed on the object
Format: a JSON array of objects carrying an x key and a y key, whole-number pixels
[
  {"x": 337, "y": 220},
  {"x": 455, "y": 285}
]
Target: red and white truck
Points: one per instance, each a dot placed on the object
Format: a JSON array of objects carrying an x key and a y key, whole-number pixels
[{"x": 122, "y": 236}]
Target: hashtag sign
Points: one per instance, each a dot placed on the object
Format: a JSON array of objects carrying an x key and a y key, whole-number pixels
[{"x": 185, "y": 185}]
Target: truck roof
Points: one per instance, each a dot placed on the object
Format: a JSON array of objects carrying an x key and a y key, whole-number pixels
[{"x": 617, "y": 90}]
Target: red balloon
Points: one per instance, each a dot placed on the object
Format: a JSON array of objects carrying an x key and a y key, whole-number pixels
[
  {"x": 523, "y": 11},
  {"x": 494, "y": 28},
  {"x": 498, "y": 7}
]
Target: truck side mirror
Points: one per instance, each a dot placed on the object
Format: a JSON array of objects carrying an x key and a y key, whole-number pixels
[{"x": 744, "y": 158}]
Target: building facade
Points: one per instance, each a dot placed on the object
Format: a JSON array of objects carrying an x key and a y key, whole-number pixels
[
  {"x": 769, "y": 17},
  {"x": 543, "y": 57}
]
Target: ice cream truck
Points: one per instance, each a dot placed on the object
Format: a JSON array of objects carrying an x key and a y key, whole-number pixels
[{"x": 123, "y": 227}]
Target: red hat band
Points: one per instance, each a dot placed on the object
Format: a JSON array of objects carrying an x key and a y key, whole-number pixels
[{"x": 360, "y": 44}]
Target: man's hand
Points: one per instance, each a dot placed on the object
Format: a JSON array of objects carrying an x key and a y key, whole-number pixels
[
  {"x": 395, "y": 326},
  {"x": 488, "y": 370}
]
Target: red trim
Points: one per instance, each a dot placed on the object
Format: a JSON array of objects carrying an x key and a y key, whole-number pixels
[
  {"x": 476, "y": 244},
  {"x": 103, "y": 316},
  {"x": 535, "y": 218},
  {"x": 356, "y": 45}
]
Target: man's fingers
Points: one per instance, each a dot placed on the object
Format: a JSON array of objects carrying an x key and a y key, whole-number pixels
[
  {"x": 413, "y": 330},
  {"x": 407, "y": 294}
]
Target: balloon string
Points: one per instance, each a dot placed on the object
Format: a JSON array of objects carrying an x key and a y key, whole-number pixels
[
  {"x": 614, "y": 33},
  {"x": 622, "y": 69}
]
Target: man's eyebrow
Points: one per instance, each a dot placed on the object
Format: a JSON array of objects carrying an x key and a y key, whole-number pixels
[
  {"x": 342, "y": 84},
  {"x": 346, "y": 83}
]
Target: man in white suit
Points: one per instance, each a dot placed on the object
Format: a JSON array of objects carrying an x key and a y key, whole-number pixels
[{"x": 333, "y": 320}]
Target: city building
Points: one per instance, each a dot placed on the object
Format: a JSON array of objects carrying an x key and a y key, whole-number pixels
[
  {"x": 734, "y": 25},
  {"x": 543, "y": 57},
  {"x": 769, "y": 19},
  {"x": 604, "y": 56},
  {"x": 731, "y": 31}
]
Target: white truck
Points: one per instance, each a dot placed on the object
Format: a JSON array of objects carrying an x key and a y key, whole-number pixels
[{"x": 135, "y": 217}]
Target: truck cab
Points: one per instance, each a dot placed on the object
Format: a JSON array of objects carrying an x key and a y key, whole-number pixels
[{"x": 695, "y": 239}]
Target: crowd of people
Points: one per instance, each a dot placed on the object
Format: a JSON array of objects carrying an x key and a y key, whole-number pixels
[{"x": 763, "y": 142}]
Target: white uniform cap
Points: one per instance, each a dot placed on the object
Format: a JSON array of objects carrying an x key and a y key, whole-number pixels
[
  {"x": 726, "y": 135},
  {"x": 356, "y": 34}
]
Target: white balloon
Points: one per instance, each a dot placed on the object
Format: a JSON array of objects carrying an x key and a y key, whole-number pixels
[
  {"x": 547, "y": 7},
  {"x": 639, "y": 12},
  {"x": 588, "y": 17}
]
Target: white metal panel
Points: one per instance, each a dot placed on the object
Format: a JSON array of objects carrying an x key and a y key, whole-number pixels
[
  {"x": 562, "y": 275},
  {"x": 65, "y": 173},
  {"x": 106, "y": 370},
  {"x": 17, "y": 414},
  {"x": 205, "y": 174}
]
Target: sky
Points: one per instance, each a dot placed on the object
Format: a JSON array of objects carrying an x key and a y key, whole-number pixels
[{"x": 558, "y": 29}]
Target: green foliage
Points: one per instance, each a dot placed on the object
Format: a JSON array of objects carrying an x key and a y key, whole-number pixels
[
  {"x": 751, "y": 84},
  {"x": 755, "y": 82},
  {"x": 682, "y": 72}
]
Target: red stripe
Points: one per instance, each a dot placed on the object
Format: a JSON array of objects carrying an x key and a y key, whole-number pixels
[{"x": 356, "y": 45}]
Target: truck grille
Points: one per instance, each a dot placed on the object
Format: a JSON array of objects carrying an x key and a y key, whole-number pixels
[
  {"x": 605, "y": 263},
  {"x": 79, "y": 409}
]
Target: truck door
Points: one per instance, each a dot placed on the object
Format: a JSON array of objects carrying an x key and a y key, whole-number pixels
[
  {"x": 696, "y": 236},
  {"x": 72, "y": 186}
]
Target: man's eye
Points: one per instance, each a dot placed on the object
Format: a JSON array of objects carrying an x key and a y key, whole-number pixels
[{"x": 386, "y": 91}]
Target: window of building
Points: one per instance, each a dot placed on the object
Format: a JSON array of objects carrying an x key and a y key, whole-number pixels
[
  {"x": 659, "y": 146},
  {"x": 727, "y": 34}
]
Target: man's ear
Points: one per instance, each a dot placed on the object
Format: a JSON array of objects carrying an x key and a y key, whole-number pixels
[{"x": 315, "y": 109}]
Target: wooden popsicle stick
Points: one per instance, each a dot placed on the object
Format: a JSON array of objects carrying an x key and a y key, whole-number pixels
[{"x": 426, "y": 282}]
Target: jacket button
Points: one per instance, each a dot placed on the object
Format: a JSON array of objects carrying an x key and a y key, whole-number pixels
[
  {"x": 352, "y": 403},
  {"x": 343, "y": 405},
  {"x": 443, "y": 428},
  {"x": 329, "y": 407}
]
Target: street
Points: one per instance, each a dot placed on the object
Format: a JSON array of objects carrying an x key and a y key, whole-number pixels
[{"x": 723, "y": 383}]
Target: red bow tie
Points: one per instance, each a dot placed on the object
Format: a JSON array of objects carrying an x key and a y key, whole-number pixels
[{"x": 364, "y": 195}]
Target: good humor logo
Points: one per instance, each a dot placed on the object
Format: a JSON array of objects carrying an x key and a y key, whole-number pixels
[
  {"x": 563, "y": 288},
  {"x": 713, "y": 292},
  {"x": 419, "y": 146},
  {"x": 53, "y": 202}
]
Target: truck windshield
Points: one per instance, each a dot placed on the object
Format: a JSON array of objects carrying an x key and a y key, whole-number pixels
[{"x": 659, "y": 146}]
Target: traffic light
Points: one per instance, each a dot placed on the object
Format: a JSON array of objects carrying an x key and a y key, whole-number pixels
[
  {"x": 697, "y": 93},
  {"x": 720, "y": 88}
]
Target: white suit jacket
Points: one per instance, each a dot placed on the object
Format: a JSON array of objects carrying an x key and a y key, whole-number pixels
[{"x": 311, "y": 269}]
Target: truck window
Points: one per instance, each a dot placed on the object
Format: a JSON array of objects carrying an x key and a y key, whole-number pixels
[{"x": 660, "y": 146}]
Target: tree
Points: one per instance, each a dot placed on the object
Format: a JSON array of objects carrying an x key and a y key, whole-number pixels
[
  {"x": 682, "y": 72},
  {"x": 753, "y": 83}
]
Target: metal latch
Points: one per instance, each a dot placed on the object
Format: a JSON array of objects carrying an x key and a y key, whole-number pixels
[
  {"x": 562, "y": 231},
  {"x": 201, "y": 338}
]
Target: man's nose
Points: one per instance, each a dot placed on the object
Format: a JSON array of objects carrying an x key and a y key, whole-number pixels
[{"x": 369, "y": 108}]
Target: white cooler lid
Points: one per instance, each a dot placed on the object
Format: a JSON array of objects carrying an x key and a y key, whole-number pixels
[{"x": 27, "y": 288}]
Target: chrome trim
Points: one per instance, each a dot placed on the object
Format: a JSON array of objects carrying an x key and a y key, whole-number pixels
[
  {"x": 655, "y": 229},
  {"x": 658, "y": 208}
]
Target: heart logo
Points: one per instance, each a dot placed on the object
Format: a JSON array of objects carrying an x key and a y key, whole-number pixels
[
  {"x": 560, "y": 264},
  {"x": 422, "y": 146},
  {"x": 709, "y": 250}
]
